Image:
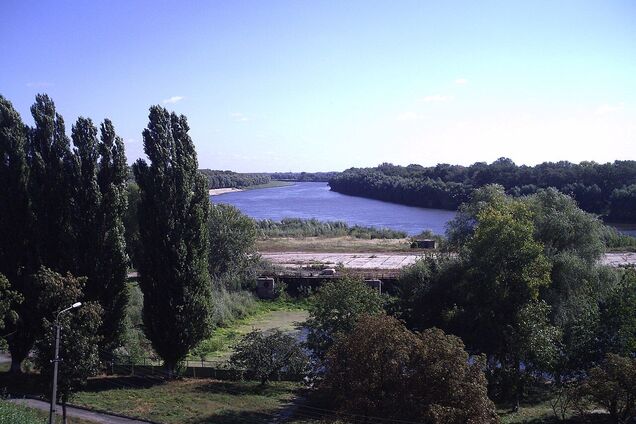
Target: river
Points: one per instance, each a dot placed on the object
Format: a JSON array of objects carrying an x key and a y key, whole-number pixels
[{"x": 315, "y": 200}]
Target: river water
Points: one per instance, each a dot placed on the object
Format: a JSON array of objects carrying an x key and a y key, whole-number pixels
[{"x": 315, "y": 200}]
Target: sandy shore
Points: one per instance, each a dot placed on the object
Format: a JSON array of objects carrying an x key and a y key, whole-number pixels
[{"x": 217, "y": 191}]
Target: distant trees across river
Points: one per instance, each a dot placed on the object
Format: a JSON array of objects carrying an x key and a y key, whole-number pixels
[
  {"x": 230, "y": 179},
  {"x": 606, "y": 189}
]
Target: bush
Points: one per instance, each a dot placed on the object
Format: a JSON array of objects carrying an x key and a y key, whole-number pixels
[{"x": 383, "y": 370}]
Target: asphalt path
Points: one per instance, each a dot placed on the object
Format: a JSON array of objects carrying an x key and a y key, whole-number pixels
[{"x": 95, "y": 417}]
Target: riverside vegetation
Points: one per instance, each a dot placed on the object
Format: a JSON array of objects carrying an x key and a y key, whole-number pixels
[{"x": 524, "y": 296}]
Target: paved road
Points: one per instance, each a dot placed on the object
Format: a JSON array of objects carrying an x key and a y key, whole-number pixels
[
  {"x": 386, "y": 260},
  {"x": 78, "y": 413}
]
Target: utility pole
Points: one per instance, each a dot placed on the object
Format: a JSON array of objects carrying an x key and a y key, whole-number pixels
[{"x": 56, "y": 359}]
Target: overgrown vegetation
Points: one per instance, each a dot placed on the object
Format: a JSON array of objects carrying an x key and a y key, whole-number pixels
[{"x": 297, "y": 227}]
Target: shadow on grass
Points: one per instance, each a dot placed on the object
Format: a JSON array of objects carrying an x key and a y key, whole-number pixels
[
  {"x": 244, "y": 388},
  {"x": 98, "y": 384},
  {"x": 23, "y": 384}
]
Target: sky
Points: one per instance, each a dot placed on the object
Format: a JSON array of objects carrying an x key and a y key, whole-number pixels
[{"x": 326, "y": 85}]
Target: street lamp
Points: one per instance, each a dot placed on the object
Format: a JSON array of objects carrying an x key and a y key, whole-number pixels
[{"x": 56, "y": 359}]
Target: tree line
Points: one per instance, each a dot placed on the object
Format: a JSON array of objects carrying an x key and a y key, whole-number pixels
[
  {"x": 230, "y": 179},
  {"x": 605, "y": 189}
]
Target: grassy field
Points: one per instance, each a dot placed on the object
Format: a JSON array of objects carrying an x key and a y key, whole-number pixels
[
  {"x": 188, "y": 401},
  {"x": 284, "y": 315},
  {"x": 333, "y": 244}
]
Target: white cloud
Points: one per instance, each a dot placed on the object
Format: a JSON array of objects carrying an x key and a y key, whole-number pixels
[
  {"x": 238, "y": 117},
  {"x": 131, "y": 141},
  {"x": 461, "y": 81},
  {"x": 408, "y": 116},
  {"x": 606, "y": 108},
  {"x": 437, "y": 98},
  {"x": 172, "y": 100}
]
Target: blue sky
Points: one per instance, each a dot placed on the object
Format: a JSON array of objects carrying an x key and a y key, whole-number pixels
[{"x": 325, "y": 85}]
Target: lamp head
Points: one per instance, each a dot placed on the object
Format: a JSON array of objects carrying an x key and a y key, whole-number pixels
[{"x": 76, "y": 305}]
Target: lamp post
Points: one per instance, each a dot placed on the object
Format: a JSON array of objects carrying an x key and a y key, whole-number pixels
[{"x": 56, "y": 359}]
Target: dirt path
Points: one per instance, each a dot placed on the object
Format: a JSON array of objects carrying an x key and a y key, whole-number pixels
[{"x": 95, "y": 417}]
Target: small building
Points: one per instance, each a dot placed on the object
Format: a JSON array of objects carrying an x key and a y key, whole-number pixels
[
  {"x": 424, "y": 244},
  {"x": 265, "y": 288},
  {"x": 375, "y": 284}
]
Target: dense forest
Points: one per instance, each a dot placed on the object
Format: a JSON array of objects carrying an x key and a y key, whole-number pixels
[
  {"x": 229, "y": 179},
  {"x": 606, "y": 189}
]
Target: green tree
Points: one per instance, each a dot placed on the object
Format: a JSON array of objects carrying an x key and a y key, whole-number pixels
[
  {"x": 131, "y": 223},
  {"x": 611, "y": 386},
  {"x": 41, "y": 217},
  {"x": 109, "y": 282},
  {"x": 381, "y": 369},
  {"x": 507, "y": 269},
  {"x": 336, "y": 308},
  {"x": 80, "y": 337},
  {"x": 269, "y": 354},
  {"x": 173, "y": 263},
  {"x": 232, "y": 246}
]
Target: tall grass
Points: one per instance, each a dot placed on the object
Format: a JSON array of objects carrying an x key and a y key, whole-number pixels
[
  {"x": 17, "y": 414},
  {"x": 617, "y": 241},
  {"x": 297, "y": 227}
]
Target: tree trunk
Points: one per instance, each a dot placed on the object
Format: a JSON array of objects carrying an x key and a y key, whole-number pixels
[
  {"x": 16, "y": 366},
  {"x": 64, "y": 411}
]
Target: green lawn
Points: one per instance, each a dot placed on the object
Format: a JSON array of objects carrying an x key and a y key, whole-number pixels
[
  {"x": 188, "y": 401},
  {"x": 281, "y": 314}
]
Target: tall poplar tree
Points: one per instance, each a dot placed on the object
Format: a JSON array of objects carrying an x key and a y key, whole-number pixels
[
  {"x": 173, "y": 216},
  {"x": 14, "y": 199},
  {"x": 100, "y": 203}
]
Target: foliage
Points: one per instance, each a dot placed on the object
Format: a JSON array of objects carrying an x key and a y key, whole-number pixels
[
  {"x": 269, "y": 354},
  {"x": 80, "y": 336},
  {"x": 131, "y": 223},
  {"x": 229, "y": 179},
  {"x": 335, "y": 309},
  {"x": 606, "y": 189},
  {"x": 9, "y": 299},
  {"x": 100, "y": 204},
  {"x": 381, "y": 369},
  {"x": 611, "y": 385},
  {"x": 297, "y": 227},
  {"x": 232, "y": 254},
  {"x": 617, "y": 316},
  {"x": 616, "y": 240},
  {"x": 173, "y": 215}
]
